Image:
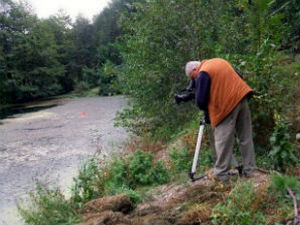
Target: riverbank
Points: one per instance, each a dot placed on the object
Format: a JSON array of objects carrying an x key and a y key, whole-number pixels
[{"x": 150, "y": 186}]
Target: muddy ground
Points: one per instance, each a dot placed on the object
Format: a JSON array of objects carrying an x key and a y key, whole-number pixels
[{"x": 49, "y": 140}]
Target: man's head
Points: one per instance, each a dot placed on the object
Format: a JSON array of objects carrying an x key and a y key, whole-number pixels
[{"x": 191, "y": 69}]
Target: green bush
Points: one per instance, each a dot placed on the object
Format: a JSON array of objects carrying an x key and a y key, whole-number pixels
[
  {"x": 280, "y": 196},
  {"x": 119, "y": 174},
  {"x": 81, "y": 87},
  {"x": 238, "y": 208},
  {"x": 140, "y": 168},
  {"x": 47, "y": 207},
  {"x": 181, "y": 160},
  {"x": 108, "y": 81},
  {"x": 282, "y": 153},
  {"x": 163, "y": 36},
  {"x": 137, "y": 170},
  {"x": 279, "y": 183},
  {"x": 89, "y": 184}
]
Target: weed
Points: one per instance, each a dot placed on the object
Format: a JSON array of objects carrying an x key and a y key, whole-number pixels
[
  {"x": 238, "y": 208},
  {"x": 48, "y": 207},
  {"x": 282, "y": 153},
  {"x": 120, "y": 176},
  {"x": 181, "y": 160},
  {"x": 138, "y": 169},
  {"x": 135, "y": 171},
  {"x": 89, "y": 184},
  {"x": 279, "y": 183}
]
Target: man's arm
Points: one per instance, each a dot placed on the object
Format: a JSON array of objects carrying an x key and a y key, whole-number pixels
[
  {"x": 238, "y": 73},
  {"x": 202, "y": 90},
  {"x": 202, "y": 93}
]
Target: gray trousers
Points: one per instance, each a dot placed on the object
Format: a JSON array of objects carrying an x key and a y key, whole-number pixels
[{"x": 237, "y": 122}]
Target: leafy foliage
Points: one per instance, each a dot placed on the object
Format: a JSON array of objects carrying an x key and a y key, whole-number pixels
[
  {"x": 89, "y": 184},
  {"x": 108, "y": 81},
  {"x": 280, "y": 183},
  {"x": 181, "y": 160},
  {"x": 46, "y": 57},
  {"x": 48, "y": 206},
  {"x": 238, "y": 207},
  {"x": 163, "y": 36},
  {"x": 282, "y": 153},
  {"x": 139, "y": 169}
]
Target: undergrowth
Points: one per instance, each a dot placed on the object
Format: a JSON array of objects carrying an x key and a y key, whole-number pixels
[
  {"x": 48, "y": 206},
  {"x": 238, "y": 208},
  {"x": 126, "y": 175},
  {"x": 89, "y": 184},
  {"x": 138, "y": 172},
  {"x": 250, "y": 204}
]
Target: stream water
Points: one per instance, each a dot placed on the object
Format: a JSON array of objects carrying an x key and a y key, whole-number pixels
[{"x": 48, "y": 141}]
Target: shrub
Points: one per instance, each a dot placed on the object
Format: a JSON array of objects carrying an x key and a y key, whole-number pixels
[
  {"x": 164, "y": 39},
  {"x": 119, "y": 174},
  {"x": 81, "y": 87},
  {"x": 108, "y": 81},
  {"x": 181, "y": 160},
  {"x": 48, "y": 207},
  {"x": 238, "y": 208},
  {"x": 138, "y": 169},
  {"x": 163, "y": 36},
  {"x": 279, "y": 183},
  {"x": 89, "y": 184},
  {"x": 282, "y": 152}
]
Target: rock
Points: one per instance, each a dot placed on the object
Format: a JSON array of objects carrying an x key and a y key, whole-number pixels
[
  {"x": 120, "y": 203},
  {"x": 298, "y": 137},
  {"x": 106, "y": 218}
]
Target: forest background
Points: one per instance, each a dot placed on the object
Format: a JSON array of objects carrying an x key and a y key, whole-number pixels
[{"x": 139, "y": 49}]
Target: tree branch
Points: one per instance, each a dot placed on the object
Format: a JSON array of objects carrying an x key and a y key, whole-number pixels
[{"x": 297, "y": 218}]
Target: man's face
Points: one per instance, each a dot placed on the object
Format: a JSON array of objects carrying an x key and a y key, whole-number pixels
[{"x": 193, "y": 74}]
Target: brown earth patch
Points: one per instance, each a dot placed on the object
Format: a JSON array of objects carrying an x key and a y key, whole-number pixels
[
  {"x": 179, "y": 204},
  {"x": 120, "y": 203}
]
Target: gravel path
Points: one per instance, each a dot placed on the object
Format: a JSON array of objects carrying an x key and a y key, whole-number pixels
[{"x": 49, "y": 141}]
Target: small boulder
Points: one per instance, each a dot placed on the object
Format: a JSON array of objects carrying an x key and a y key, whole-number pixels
[
  {"x": 116, "y": 203},
  {"x": 107, "y": 218}
]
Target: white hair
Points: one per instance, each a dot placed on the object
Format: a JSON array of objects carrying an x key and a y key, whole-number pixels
[{"x": 190, "y": 66}]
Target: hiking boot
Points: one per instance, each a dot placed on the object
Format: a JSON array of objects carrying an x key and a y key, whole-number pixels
[
  {"x": 252, "y": 174},
  {"x": 211, "y": 176}
]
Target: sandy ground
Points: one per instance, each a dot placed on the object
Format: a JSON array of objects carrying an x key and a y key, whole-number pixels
[{"x": 48, "y": 141}]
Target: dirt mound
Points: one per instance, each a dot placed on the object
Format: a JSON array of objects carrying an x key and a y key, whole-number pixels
[
  {"x": 117, "y": 203},
  {"x": 106, "y": 218},
  {"x": 179, "y": 204}
]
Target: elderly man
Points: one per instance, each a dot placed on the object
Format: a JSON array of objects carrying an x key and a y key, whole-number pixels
[{"x": 223, "y": 94}]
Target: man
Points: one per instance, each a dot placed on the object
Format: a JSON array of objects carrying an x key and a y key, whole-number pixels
[{"x": 223, "y": 94}]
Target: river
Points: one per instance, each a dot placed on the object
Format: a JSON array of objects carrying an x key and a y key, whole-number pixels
[{"x": 48, "y": 141}]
